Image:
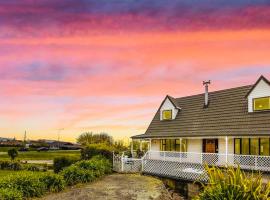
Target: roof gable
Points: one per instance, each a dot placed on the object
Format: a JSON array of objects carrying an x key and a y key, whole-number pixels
[{"x": 262, "y": 78}]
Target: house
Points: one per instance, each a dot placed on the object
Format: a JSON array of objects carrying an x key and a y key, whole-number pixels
[{"x": 226, "y": 127}]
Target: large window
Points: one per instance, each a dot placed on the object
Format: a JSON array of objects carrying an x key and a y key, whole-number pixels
[
  {"x": 261, "y": 103},
  {"x": 167, "y": 114},
  {"x": 170, "y": 145},
  {"x": 252, "y": 146}
]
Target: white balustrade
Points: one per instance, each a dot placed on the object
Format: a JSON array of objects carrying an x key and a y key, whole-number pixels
[{"x": 188, "y": 165}]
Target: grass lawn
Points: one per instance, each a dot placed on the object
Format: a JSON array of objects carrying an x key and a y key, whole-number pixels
[{"x": 45, "y": 155}]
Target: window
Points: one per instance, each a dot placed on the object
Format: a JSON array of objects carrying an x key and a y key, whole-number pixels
[
  {"x": 261, "y": 104},
  {"x": 237, "y": 146},
  {"x": 264, "y": 147},
  {"x": 254, "y": 146},
  {"x": 167, "y": 114},
  {"x": 170, "y": 145}
]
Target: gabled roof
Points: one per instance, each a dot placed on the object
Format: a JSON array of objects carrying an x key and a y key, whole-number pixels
[
  {"x": 172, "y": 100},
  {"x": 226, "y": 115},
  {"x": 259, "y": 80}
]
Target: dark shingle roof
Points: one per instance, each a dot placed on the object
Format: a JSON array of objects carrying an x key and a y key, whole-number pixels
[{"x": 227, "y": 114}]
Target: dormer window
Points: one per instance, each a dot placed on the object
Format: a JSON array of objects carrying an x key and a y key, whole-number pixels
[
  {"x": 261, "y": 104},
  {"x": 167, "y": 114}
]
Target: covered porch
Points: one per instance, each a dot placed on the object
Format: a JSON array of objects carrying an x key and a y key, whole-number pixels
[{"x": 185, "y": 158}]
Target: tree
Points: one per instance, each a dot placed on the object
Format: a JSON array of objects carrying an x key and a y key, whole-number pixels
[
  {"x": 13, "y": 153},
  {"x": 94, "y": 138}
]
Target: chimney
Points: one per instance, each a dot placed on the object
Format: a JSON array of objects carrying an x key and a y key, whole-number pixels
[{"x": 206, "y": 99}]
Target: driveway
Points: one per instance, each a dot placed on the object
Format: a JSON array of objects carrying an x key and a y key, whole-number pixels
[{"x": 115, "y": 187}]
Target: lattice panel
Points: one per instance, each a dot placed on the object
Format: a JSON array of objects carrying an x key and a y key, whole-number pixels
[
  {"x": 132, "y": 165},
  {"x": 187, "y": 171}
]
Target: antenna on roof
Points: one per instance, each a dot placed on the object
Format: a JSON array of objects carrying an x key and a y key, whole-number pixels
[{"x": 206, "y": 99}]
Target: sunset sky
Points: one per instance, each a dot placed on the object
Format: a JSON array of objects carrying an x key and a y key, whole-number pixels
[{"x": 106, "y": 65}]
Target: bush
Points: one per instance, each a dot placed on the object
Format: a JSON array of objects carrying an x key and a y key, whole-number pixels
[
  {"x": 86, "y": 170},
  {"x": 233, "y": 184},
  {"x": 53, "y": 182},
  {"x": 32, "y": 168},
  {"x": 97, "y": 149},
  {"x": 33, "y": 184},
  {"x": 74, "y": 174},
  {"x": 10, "y": 194},
  {"x": 61, "y": 162},
  {"x": 10, "y": 165}
]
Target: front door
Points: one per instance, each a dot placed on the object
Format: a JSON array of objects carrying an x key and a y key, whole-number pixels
[{"x": 210, "y": 145}]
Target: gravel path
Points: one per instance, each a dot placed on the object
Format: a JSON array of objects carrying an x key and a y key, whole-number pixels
[{"x": 116, "y": 187}]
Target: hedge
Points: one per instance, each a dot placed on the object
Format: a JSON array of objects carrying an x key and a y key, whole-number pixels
[
  {"x": 86, "y": 170},
  {"x": 32, "y": 184},
  {"x": 10, "y": 165},
  {"x": 10, "y": 194},
  {"x": 27, "y": 184}
]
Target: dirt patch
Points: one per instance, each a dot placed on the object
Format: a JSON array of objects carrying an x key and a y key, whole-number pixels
[{"x": 117, "y": 186}]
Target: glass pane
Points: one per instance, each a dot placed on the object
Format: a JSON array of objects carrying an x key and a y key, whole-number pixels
[
  {"x": 254, "y": 146},
  {"x": 177, "y": 145},
  {"x": 245, "y": 146},
  {"x": 167, "y": 114},
  {"x": 184, "y": 145},
  {"x": 172, "y": 145},
  {"x": 262, "y": 103},
  {"x": 168, "y": 146},
  {"x": 264, "y": 149},
  {"x": 237, "y": 146}
]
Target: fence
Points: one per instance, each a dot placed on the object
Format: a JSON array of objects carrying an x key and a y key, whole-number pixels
[
  {"x": 187, "y": 165},
  {"x": 122, "y": 163}
]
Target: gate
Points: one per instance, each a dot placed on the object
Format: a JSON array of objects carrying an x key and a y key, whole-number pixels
[{"x": 122, "y": 163}]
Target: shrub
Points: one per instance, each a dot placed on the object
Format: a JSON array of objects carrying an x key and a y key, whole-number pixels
[
  {"x": 26, "y": 182},
  {"x": 86, "y": 170},
  {"x": 97, "y": 149},
  {"x": 32, "y": 168},
  {"x": 233, "y": 184},
  {"x": 74, "y": 174},
  {"x": 53, "y": 182},
  {"x": 61, "y": 162},
  {"x": 10, "y": 194},
  {"x": 10, "y": 165},
  {"x": 32, "y": 184}
]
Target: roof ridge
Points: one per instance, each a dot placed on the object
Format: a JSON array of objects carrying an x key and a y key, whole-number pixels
[{"x": 216, "y": 91}]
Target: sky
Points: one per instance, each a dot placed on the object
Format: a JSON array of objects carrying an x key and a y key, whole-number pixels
[{"x": 106, "y": 65}]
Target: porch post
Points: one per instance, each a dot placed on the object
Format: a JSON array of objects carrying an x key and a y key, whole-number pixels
[
  {"x": 226, "y": 149},
  {"x": 150, "y": 145},
  {"x": 140, "y": 145},
  {"x": 131, "y": 148}
]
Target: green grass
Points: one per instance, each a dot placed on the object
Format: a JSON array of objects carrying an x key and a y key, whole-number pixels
[{"x": 47, "y": 155}]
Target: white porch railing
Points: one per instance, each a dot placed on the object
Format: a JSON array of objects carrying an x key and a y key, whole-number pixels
[{"x": 188, "y": 165}]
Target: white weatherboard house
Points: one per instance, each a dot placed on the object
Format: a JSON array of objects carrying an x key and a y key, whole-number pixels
[{"x": 226, "y": 127}]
